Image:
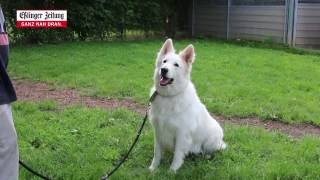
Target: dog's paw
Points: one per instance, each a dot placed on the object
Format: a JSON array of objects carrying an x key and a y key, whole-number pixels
[
  {"x": 175, "y": 165},
  {"x": 173, "y": 170},
  {"x": 208, "y": 156},
  {"x": 152, "y": 168}
]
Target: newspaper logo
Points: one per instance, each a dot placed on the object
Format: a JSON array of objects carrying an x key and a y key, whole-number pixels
[{"x": 41, "y": 19}]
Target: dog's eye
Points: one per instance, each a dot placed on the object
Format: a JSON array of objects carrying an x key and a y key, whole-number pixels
[
  {"x": 164, "y": 61},
  {"x": 176, "y": 64}
]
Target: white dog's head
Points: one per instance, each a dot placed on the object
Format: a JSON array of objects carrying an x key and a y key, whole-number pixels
[{"x": 172, "y": 72}]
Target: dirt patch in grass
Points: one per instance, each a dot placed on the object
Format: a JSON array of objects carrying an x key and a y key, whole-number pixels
[
  {"x": 35, "y": 91},
  {"x": 31, "y": 91},
  {"x": 295, "y": 130}
]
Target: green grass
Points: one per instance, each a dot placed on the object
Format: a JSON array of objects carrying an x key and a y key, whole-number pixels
[
  {"x": 232, "y": 80},
  {"x": 82, "y": 143}
]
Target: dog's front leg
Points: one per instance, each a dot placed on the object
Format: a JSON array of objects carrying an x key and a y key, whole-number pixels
[
  {"x": 157, "y": 154},
  {"x": 182, "y": 146}
]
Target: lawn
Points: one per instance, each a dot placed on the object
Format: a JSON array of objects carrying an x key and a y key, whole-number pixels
[
  {"x": 77, "y": 143},
  {"x": 232, "y": 80}
]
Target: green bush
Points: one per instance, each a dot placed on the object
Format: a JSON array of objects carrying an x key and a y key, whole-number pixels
[{"x": 96, "y": 19}]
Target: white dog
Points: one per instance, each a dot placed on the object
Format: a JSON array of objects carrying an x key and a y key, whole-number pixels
[{"x": 181, "y": 122}]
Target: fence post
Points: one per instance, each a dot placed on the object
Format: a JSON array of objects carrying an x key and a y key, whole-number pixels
[
  {"x": 192, "y": 18},
  {"x": 285, "y": 26},
  {"x": 228, "y": 18},
  {"x": 291, "y": 6},
  {"x": 295, "y": 19},
  {"x": 289, "y": 21}
]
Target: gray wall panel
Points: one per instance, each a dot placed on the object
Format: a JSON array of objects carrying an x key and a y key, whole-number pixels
[
  {"x": 308, "y": 25},
  {"x": 258, "y": 25},
  {"x": 257, "y": 22},
  {"x": 210, "y": 19}
]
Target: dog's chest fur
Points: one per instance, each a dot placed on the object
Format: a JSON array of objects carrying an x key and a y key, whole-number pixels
[{"x": 169, "y": 114}]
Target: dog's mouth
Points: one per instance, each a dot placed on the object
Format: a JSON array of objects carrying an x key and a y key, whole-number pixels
[{"x": 164, "y": 81}]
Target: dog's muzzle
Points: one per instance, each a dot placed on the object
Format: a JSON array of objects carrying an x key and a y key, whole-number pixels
[{"x": 164, "y": 80}]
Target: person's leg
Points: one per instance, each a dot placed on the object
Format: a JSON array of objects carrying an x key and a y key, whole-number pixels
[{"x": 9, "y": 155}]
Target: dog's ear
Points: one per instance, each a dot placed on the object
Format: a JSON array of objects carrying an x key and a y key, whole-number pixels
[
  {"x": 167, "y": 47},
  {"x": 188, "y": 54}
]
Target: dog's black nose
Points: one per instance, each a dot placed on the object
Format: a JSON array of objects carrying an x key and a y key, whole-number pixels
[{"x": 164, "y": 71}]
